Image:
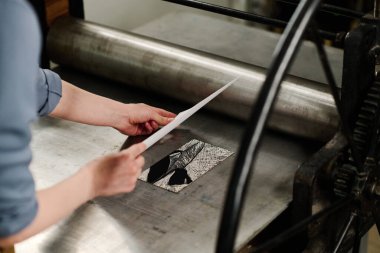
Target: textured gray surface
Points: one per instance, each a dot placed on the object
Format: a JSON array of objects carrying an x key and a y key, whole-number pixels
[
  {"x": 152, "y": 219},
  {"x": 238, "y": 42}
]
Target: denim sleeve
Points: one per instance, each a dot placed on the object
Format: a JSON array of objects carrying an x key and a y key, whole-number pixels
[
  {"x": 49, "y": 91},
  {"x": 19, "y": 57}
]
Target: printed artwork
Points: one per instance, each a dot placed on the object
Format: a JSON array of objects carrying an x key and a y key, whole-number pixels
[{"x": 183, "y": 166}]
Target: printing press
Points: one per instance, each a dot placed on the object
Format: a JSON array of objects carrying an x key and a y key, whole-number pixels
[{"x": 302, "y": 123}]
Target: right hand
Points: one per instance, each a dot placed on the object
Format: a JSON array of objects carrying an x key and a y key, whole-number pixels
[
  {"x": 141, "y": 119},
  {"x": 117, "y": 173}
]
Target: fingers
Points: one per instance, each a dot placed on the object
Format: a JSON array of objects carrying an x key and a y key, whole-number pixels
[
  {"x": 160, "y": 120},
  {"x": 117, "y": 173},
  {"x": 135, "y": 168},
  {"x": 160, "y": 111},
  {"x": 154, "y": 125},
  {"x": 164, "y": 113},
  {"x": 135, "y": 150},
  {"x": 146, "y": 119},
  {"x": 134, "y": 173},
  {"x": 140, "y": 161},
  {"x": 148, "y": 127}
]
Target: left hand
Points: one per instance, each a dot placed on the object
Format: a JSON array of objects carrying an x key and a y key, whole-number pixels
[{"x": 142, "y": 119}]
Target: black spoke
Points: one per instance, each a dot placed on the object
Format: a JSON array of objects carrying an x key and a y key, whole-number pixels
[
  {"x": 244, "y": 164},
  {"x": 301, "y": 226},
  {"x": 326, "y": 66},
  {"x": 332, "y": 9},
  {"x": 358, "y": 239},
  {"x": 242, "y": 15},
  {"x": 230, "y": 12},
  {"x": 345, "y": 231},
  {"x": 334, "y": 88},
  {"x": 283, "y": 56}
]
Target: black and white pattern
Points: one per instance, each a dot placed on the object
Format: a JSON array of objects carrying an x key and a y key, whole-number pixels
[{"x": 183, "y": 166}]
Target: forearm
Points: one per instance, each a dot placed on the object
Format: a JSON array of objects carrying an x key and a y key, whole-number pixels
[
  {"x": 84, "y": 107},
  {"x": 56, "y": 203},
  {"x": 131, "y": 119}
]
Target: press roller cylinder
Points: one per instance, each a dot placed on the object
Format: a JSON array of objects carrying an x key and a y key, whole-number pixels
[{"x": 303, "y": 108}]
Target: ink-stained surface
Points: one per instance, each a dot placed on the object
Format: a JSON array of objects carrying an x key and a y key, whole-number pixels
[{"x": 183, "y": 166}]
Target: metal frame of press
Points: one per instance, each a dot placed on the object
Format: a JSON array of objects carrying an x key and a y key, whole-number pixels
[{"x": 301, "y": 22}]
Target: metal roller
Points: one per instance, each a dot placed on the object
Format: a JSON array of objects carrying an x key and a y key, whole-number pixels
[{"x": 304, "y": 108}]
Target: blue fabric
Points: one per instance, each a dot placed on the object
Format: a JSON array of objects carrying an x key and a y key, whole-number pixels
[
  {"x": 25, "y": 92},
  {"x": 49, "y": 87}
]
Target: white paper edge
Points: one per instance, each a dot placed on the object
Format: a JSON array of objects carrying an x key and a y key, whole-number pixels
[{"x": 183, "y": 116}]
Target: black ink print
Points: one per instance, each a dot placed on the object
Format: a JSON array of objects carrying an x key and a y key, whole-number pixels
[
  {"x": 179, "y": 177},
  {"x": 183, "y": 166},
  {"x": 160, "y": 169},
  {"x": 177, "y": 162}
]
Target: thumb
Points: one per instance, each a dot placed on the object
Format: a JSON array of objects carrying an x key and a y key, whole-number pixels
[{"x": 136, "y": 149}]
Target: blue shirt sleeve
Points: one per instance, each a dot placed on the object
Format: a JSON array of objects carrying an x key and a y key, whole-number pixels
[
  {"x": 49, "y": 86},
  {"x": 19, "y": 72}
]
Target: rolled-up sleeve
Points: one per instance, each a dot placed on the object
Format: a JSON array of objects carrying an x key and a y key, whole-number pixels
[
  {"x": 19, "y": 56},
  {"x": 49, "y": 90}
]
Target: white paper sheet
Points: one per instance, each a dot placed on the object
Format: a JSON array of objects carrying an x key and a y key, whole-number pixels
[{"x": 181, "y": 117}]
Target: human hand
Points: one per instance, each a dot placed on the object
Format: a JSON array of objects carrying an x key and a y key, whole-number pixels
[
  {"x": 117, "y": 173},
  {"x": 142, "y": 119}
]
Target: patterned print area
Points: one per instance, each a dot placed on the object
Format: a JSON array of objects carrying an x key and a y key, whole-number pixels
[{"x": 183, "y": 166}]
